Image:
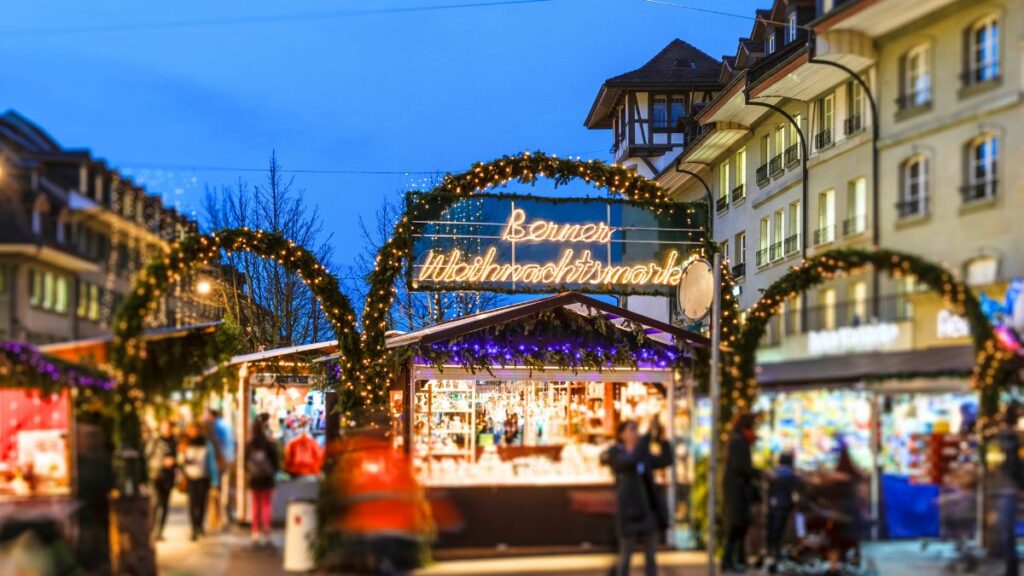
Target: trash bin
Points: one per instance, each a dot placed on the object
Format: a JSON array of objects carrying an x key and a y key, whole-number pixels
[{"x": 299, "y": 531}]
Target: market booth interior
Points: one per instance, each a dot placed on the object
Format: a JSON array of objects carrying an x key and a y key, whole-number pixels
[{"x": 506, "y": 414}]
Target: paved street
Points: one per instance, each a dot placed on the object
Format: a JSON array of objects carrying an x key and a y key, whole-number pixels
[{"x": 232, "y": 553}]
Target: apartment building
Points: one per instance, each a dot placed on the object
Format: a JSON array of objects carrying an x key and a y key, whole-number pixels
[{"x": 73, "y": 233}]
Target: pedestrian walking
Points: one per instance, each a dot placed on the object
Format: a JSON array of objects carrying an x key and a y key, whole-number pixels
[
  {"x": 1008, "y": 483},
  {"x": 224, "y": 443},
  {"x": 199, "y": 464},
  {"x": 163, "y": 456},
  {"x": 642, "y": 515},
  {"x": 261, "y": 465},
  {"x": 841, "y": 489},
  {"x": 740, "y": 491},
  {"x": 785, "y": 490}
]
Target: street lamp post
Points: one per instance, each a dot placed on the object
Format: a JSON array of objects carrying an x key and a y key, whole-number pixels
[{"x": 716, "y": 411}]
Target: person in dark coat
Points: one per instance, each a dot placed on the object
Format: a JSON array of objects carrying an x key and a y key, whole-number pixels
[
  {"x": 262, "y": 462},
  {"x": 1008, "y": 483},
  {"x": 739, "y": 491},
  {"x": 642, "y": 514},
  {"x": 784, "y": 492}
]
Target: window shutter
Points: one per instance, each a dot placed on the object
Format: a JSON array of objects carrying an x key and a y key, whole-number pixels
[
  {"x": 903, "y": 76},
  {"x": 965, "y": 55}
]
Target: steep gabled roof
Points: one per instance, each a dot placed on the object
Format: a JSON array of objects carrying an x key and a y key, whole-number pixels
[
  {"x": 677, "y": 63},
  {"x": 27, "y": 134},
  {"x": 679, "y": 66}
]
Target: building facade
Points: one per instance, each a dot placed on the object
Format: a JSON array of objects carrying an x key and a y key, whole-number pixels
[
  {"x": 791, "y": 153},
  {"x": 73, "y": 233}
]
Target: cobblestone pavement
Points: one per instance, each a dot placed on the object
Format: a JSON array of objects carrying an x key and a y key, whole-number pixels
[{"x": 231, "y": 553}]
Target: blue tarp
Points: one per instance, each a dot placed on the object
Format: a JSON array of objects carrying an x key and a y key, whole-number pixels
[{"x": 910, "y": 510}]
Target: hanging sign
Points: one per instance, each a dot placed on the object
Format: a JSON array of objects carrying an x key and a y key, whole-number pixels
[{"x": 516, "y": 243}]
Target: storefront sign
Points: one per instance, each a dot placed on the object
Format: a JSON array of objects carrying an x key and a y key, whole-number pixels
[
  {"x": 532, "y": 244},
  {"x": 866, "y": 338},
  {"x": 949, "y": 325}
]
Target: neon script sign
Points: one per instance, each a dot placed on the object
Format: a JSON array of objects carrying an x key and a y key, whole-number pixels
[{"x": 540, "y": 245}]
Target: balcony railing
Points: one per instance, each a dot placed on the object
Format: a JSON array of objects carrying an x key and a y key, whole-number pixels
[
  {"x": 912, "y": 207},
  {"x": 914, "y": 99},
  {"x": 775, "y": 166},
  {"x": 792, "y": 154},
  {"x": 739, "y": 270},
  {"x": 981, "y": 74},
  {"x": 855, "y": 225},
  {"x": 792, "y": 244},
  {"x": 824, "y": 235},
  {"x": 981, "y": 190},
  {"x": 776, "y": 251},
  {"x": 894, "y": 308},
  {"x": 739, "y": 193},
  {"x": 823, "y": 139},
  {"x": 722, "y": 203},
  {"x": 762, "y": 257},
  {"x": 762, "y": 175},
  {"x": 852, "y": 125}
]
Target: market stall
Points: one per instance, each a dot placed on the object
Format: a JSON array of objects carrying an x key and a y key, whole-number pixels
[
  {"x": 509, "y": 411},
  {"x": 902, "y": 414},
  {"x": 280, "y": 385}
]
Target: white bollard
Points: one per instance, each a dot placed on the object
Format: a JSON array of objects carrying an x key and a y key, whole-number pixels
[{"x": 299, "y": 531}]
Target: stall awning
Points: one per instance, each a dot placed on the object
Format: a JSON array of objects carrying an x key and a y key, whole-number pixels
[
  {"x": 573, "y": 301},
  {"x": 834, "y": 370}
]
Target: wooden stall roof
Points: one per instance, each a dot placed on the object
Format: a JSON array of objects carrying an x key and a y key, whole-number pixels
[
  {"x": 573, "y": 301},
  {"x": 97, "y": 350}
]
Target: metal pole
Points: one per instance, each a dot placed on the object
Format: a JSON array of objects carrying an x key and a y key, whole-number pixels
[
  {"x": 672, "y": 495},
  {"x": 715, "y": 394}
]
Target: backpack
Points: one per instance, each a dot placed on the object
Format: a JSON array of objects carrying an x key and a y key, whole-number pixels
[{"x": 258, "y": 464}]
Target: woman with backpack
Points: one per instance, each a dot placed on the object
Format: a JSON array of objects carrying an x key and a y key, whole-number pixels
[
  {"x": 199, "y": 464},
  {"x": 261, "y": 464}
]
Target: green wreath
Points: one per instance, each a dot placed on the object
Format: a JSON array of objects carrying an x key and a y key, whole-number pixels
[{"x": 190, "y": 254}]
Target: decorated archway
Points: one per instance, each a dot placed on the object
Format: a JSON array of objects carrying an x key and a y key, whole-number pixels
[
  {"x": 526, "y": 168},
  {"x": 739, "y": 372},
  {"x": 190, "y": 255}
]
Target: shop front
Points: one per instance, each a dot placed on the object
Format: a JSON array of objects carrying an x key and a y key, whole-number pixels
[
  {"x": 516, "y": 444},
  {"x": 904, "y": 416}
]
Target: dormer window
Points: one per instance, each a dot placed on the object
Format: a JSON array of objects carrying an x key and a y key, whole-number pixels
[
  {"x": 770, "y": 45},
  {"x": 791, "y": 28},
  {"x": 39, "y": 210}
]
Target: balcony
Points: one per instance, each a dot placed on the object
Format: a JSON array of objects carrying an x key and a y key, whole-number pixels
[
  {"x": 912, "y": 207},
  {"x": 855, "y": 225},
  {"x": 791, "y": 244},
  {"x": 762, "y": 257},
  {"x": 775, "y": 251},
  {"x": 852, "y": 125},
  {"x": 824, "y": 235},
  {"x": 978, "y": 191},
  {"x": 762, "y": 175},
  {"x": 739, "y": 270},
  {"x": 775, "y": 166},
  {"x": 915, "y": 99},
  {"x": 722, "y": 203},
  {"x": 894, "y": 308},
  {"x": 739, "y": 193},
  {"x": 823, "y": 139},
  {"x": 792, "y": 155}
]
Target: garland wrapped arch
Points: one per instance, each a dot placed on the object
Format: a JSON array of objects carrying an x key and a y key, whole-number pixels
[
  {"x": 526, "y": 168},
  {"x": 990, "y": 368},
  {"x": 191, "y": 254}
]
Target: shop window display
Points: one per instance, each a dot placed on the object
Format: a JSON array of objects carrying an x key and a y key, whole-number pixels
[
  {"x": 523, "y": 432},
  {"x": 293, "y": 410},
  {"x": 34, "y": 448}
]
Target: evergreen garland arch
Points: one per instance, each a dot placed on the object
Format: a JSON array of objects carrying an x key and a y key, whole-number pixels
[
  {"x": 191, "y": 254},
  {"x": 990, "y": 367},
  {"x": 525, "y": 168}
]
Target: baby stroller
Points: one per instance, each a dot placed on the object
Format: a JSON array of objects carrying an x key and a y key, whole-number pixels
[{"x": 818, "y": 527}]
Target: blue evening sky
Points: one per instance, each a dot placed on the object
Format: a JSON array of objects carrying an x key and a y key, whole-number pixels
[{"x": 336, "y": 89}]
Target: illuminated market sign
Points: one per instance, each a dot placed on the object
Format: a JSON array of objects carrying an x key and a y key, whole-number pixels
[
  {"x": 533, "y": 244},
  {"x": 863, "y": 338}
]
